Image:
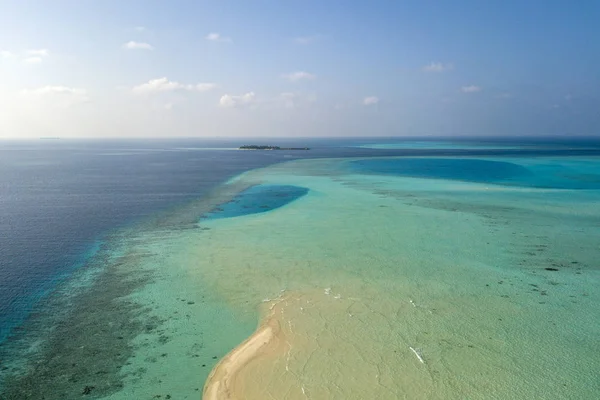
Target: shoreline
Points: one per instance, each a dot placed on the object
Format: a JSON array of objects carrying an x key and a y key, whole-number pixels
[
  {"x": 222, "y": 380},
  {"x": 48, "y": 344},
  {"x": 367, "y": 331}
]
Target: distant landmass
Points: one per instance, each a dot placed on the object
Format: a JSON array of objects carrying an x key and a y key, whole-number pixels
[{"x": 257, "y": 147}]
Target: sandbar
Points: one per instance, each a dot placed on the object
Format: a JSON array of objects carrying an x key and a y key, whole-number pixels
[{"x": 221, "y": 383}]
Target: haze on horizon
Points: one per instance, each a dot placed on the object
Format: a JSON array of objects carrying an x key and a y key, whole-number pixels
[{"x": 312, "y": 68}]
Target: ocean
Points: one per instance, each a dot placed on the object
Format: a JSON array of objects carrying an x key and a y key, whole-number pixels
[
  {"x": 380, "y": 268},
  {"x": 60, "y": 198}
]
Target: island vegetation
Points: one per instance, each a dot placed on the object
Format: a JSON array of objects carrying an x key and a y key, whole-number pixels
[{"x": 263, "y": 147}]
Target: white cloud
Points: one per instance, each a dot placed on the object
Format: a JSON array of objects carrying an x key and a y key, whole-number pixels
[
  {"x": 132, "y": 45},
  {"x": 285, "y": 100},
  {"x": 158, "y": 85},
  {"x": 299, "y": 76},
  {"x": 202, "y": 87},
  {"x": 38, "y": 52},
  {"x": 216, "y": 37},
  {"x": 140, "y": 28},
  {"x": 44, "y": 90},
  {"x": 304, "y": 40},
  {"x": 169, "y": 106},
  {"x": 370, "y": 100},
  {"x": 32, "y": 60},
  {"x": 34, "y": 56},
  {"x": 232, "y": 101},
  {"x": 470, "y": 89},
  {"x": 288, "y": 99},
  {"x": 165, "y": 85},
  {"x": 437, "y": 67},
  {"x": 64, "y": 96}
]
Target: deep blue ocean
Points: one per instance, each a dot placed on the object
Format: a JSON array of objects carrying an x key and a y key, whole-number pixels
[{"x": 60, "y": 198}]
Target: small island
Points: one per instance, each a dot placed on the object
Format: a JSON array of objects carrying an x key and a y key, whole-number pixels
[{"x": 257, "y": 147}]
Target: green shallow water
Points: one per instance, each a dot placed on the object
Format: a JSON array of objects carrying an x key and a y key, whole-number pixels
[
  {"x": 494, "y": 287},
  {"x": 455, "y": 270},
  {"x": 373, "y": 266}
]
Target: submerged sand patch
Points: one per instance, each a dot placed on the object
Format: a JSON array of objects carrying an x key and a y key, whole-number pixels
[
  {"x": 222, "y": 382},
  {"x": 403, "y": 288},
  {"x": 394, "y": 288},
  {"x": 305, "y": 347}
]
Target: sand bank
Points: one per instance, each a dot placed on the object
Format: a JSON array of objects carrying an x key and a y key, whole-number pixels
[
  {"x": 404, "y": 288},
  {"x": 221, "y": 383}
]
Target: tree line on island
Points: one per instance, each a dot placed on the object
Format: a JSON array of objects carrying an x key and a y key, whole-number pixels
[{"x": 263, "y": 147}]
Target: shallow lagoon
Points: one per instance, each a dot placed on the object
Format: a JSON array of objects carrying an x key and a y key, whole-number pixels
[
  {"x": 493, "y": 286},
  {"x": 257, "y": 199},
  {"x": 544, "y": 173},
  {"x": 383, "y": 286}
]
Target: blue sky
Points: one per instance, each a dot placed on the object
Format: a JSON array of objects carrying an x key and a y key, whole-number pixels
[{"x": 299, "y": 68}]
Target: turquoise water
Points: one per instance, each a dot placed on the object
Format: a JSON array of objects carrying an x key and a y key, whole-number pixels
[
  {"x": 257, "y": 199},
  {"x": 435, "y": 144},
  {"x": 431, "y": 277},
  {"x": 492, "y": 284},
  {"x": 550, "y": 174},
  {"x": 487, "y": 269},
  {"x": 466, "y": 143},
  {"x": 59, "y": 199}
]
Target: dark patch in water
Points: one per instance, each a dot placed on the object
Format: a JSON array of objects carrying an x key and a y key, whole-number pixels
[
  {"x": 85, "y": 346},
  {"x": 257, "y": 199},
  {"x": 473, "y": 170},
  {"x": 552, "y": 175}
]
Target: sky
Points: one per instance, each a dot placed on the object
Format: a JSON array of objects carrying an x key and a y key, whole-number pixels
[{"x": 129, "y": 68}]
